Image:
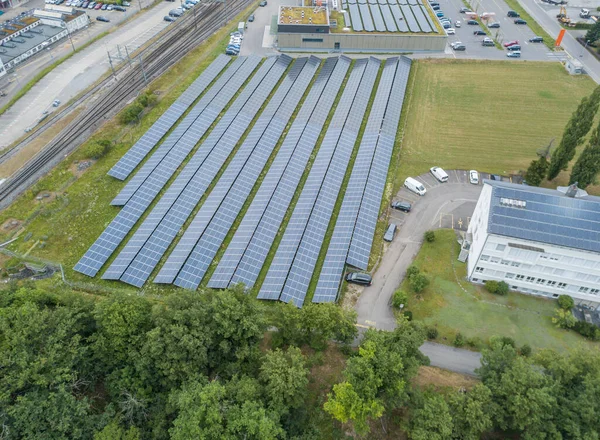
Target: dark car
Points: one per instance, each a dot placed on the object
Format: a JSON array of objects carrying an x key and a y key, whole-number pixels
[
  {"x": 464, "y": 10},
  {"x": 402, "y": 206},
  {"x": 472, "y": 22},
  {"x": 101, "y": 18},
  {"x": 390, "y": 232},
  {"x": 520, "y": 21},
  {"x": 85, "y": 5},
  {"x": 494, "y": 25},
  {"x": 436, "y": 8},
  {"x": 479, "y": 32},
  {"x": 459, "y": 46},
  {"x": 168, "y": 18},
  {"x": 104, "y": 6},
  {"x": 513, "y": 14},
  {"x": 359, "y": 278},
  {"x": 495, "y": 177},
  {"x": 251, "y": 18},
  {"x": 119, "y": 8},
  {"x": 514, "y": 47},
  {"x": 487, "y": 43},
  {"x": 536, "y": 40},
  {"x": 263, "y": 3}
]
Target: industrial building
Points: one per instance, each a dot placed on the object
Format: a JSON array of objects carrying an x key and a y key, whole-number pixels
[
  {"x": 360, "y": 27},
  {"x": 540, "y": 241},
  {"x": 25, "y": 36}
]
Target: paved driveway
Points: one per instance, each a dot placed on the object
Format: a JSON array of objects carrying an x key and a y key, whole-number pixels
[
  {"x": 258, "y": 39},
  {"x": 445, "y": 205}
]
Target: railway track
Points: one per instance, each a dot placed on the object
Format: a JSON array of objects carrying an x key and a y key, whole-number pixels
[{"x": 188, "y": 33}]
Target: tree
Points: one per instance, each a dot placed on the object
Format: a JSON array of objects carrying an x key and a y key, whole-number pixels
[
  {"x": 418, "y": 282},
  {"x": 412, "y": 271},
  {"x": 563, "y": 318},
  {"x": 587, "y": 167},
  {"x": 537, "y": 171},
  {"x": 577, "y": 128},
  {"x": 131, "y": 113},
  {"x": 471, "y": 412},
  {"x": 429, "y": 236},
  {"x": 491, "y": 286},
  {"x": 432, "y": 420},
  {"x": 459, "y": 340},
  {"x": 399, "y": 299},
  {"x": 593, "y": 33},
  {"x": 565, "y": 302},
  {"x": 525, "y": 350},
  {"x": 114, "y": 431},
  {"x": 285, "y": 378},
  {"x": 98, "y": 149},
  {"x": 502, "y": 288},
  {"x": 345, "y": 405}
]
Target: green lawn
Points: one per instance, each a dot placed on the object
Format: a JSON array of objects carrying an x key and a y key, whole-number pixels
[
  {"x": 469, "y": 309},
  {"x": 487, "y": 115}
]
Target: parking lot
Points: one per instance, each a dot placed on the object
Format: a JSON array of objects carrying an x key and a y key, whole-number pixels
[{"x": 258, "y": 36}]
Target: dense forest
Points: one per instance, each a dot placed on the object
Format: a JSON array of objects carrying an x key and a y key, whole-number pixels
[{"x": 220, "y": 365}]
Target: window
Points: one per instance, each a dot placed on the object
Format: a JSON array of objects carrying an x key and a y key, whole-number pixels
[
  {"x": 520, "y": 277},
  {"x": 312, "y": 40},
  {"x": 562, "y": 285},
  {"x": 594, "y": 291},
  {"x": 530, "y": 279},
  {"x": 500, "y": 247},
  {"x": 495, "y": 260},
  {"x": 510, "y": 276},
  {"x": 484, "y": 258},
  {"x": 540, "y": 281},
  {"x": 555, "y": 295},
  {"x": 584, "y": 289},
  {"x": 552, "y": 283},
  {"x": 505, "y": 262},
  {"x": 475, "y": 280},
  {"x": 479, "y": 269},
  {"x": 515, "y": 264}
]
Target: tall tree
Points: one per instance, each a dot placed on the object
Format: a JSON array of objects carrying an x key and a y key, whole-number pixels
[
  {"x": 537, "y": 171},
  {"x": 471, "y": 412},
  {"x": 577, "y": 128},
  {"x": 587, "y": 167},
  {"x": 431, "y": 420}
]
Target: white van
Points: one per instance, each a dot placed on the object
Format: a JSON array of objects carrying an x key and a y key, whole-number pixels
[
  {"x": 415, "y": 186},
  {"x": 439, "y": 174}
]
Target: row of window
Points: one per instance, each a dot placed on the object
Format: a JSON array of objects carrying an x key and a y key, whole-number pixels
[
  {"x": 523, "y": 289},
  {"x": 531, "y": 253}
]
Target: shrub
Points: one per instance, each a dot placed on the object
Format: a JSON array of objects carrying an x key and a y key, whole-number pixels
[
  {"x": 525, "y": 350},
  {"x": 563, "y": 318},
  {"x": 418, "y": 282},
  {"x": 565, "y": 302},
  {"x": 131, "y": 113},
  {"x": 459, "y": 340},
  {"x": 408, "y": 315},
  {"x": 587, "y": 330},
  {"x": 412, "y": 271},
  {"x": 98, "y": 149},
  {"x": 475, "y": 342},
  {"x": 147, "y": 99},
  {"x": 491, "y": 286},
  {"x": 432, "y": 333},
  {"x": 430, "y": 236},
  {"x": 508, "y": 341},
  {"x": 502, "y": 288},
  {"x": 400, "y": 297}
]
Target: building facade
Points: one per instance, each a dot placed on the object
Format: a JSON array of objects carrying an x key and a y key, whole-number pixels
[{"x": 541, "y": 242}]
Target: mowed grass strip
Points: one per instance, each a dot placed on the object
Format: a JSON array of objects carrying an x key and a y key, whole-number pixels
[
  {"x": 472, "y": 311},
  {"x": 486, "y": 115}
]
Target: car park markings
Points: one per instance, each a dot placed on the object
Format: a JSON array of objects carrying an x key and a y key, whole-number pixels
[{"x": 442, "y": 215}]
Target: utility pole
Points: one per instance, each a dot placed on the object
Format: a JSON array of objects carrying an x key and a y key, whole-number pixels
[
  {"x": 143, "y": 71},
  {"x": 111, "y": 64},
  {"x": 70, "y": 39}
]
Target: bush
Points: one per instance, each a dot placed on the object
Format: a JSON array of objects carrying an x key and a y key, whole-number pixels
[
  {"x": 97, "y": 149},
  {"x": 459, "y": 340},
  {"x": 587, "y": 330},
  {"x": 147, "y": 99},
  {"x": 563, "y": 318},
  {"x": 432, "y": 333},
  {"x": 525, "y": 350},
  {"x": 408, "y": 315},
  {"x": 502, "y": 288},
  {"x": 418, "y": 282},
  {"x": 508, "y": 341},
  {"x": 491, "y": 286},
  {"x": 430, "y": 236},
  {"x": 475, "y": 342},
  {"x": 400, "y": 297},
  {"x": 412, "y": 271},
  {"x": 565, "y": 302},
  {"x": 131, "y": 113}
]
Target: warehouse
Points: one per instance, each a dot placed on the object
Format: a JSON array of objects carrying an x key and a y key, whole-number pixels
[{"x": 540, "y": 241}]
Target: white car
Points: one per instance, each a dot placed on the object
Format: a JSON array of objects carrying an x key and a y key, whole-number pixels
[
  {"x": 457, "y": 23},
  {"x": 439, "y": 174},
  {"x": 474, "y": 177},
  {"x": 450, "y": 31}
]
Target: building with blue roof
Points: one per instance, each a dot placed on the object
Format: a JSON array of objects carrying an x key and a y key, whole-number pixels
[{"x": 540, "y": 241}]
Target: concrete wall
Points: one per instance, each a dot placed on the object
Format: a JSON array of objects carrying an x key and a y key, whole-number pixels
[
  {"x": 361, "y": 42},
  {"x": 303, "y": 28}
]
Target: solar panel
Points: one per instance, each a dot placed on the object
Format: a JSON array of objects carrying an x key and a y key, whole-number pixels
[
  {"x": 355, "y": 17},
  {"x": 377, "y": 18},
  {"x": 399, "y": 18},
  {"x": 421, "y": 19},
  {"x": 187, "y": 124},
  {"x": 230, "y": 199},
  {"x": 411, "y": 21},
  {"x": 249, "y": 246},
  {"x": 116, "y": 231},
  {"x": 284, "y": 257},
  {"x": 362, "y": 238},
  {"x": 335, "y": 259},
  {"x": 390, "y": 23},
  {"x": 428, "y": 17},
  {"x": 365, "y": 15},
  {"x": 158, "y": 230},
  {"x": 148, "y": 141}
]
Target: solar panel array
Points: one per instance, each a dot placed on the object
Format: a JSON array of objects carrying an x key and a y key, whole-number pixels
[
  {"x": 320, "y": 186},
  {"x": 333, "y": 266},
  {"x": 144, "y": 250},
  {"x": 362, "y": 239},
  {"x": 152, "y": 137},
  {"x": 192, "y": 256},
  {"x": 248, "y": 249},
  {"x": 201, "y": 113},
  {"x": 116, "y": 231},
  {"x": 389, "y": 16}
]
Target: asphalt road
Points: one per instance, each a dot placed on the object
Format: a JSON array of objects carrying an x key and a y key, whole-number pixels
[{"x": 454, "y": 359}]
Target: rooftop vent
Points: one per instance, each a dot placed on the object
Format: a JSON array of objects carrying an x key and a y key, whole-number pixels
[{"x": 572, "y": 191}]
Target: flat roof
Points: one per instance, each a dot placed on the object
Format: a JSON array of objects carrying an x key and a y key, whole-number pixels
[
  {"x": 303, "y": 15},
  {"x": 15, "y": 25},
  {"x": 41, "y": 33}
]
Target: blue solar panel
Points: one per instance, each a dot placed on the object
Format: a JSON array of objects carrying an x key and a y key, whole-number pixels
[
  {"x": 428, "y": 17},
  {"x": 411, "y": 21},
  {"x": 398, "y": 18},
  {"x": 355, "y": 17},
  {"x": 365, "y": 15},
  {"x": 233, "y": 196},
  {"x": 157, "y": 231},
  {"x": 377, "y": 18},
  {"x": 421, "y": 19},
  {"x": 333, "y": 266},
  {"x": 362, "y": 238},
  {"x": 148, "y": 141},
  {"x": 116, "y": 231},
  {"x": 250, "y": 245},
  {"x": 547, "y": 217},
  {"x": 199, "y": 114},
  {"x": 388, "y": 17}
]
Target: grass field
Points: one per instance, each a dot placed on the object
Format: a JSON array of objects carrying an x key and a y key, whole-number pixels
[
  {"x": 487, "y": 115},
  {"x": 469, "y": 309}
]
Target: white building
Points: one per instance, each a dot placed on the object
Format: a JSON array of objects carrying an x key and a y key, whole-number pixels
[{"x": 540, "y": 241}]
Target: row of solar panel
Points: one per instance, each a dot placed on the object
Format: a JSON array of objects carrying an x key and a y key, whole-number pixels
[
  {"x": 165, "y": 161},
  {"x": 389, "y": 18},
  {"x": 382, "y": 2},
  {"x": 152, "y": 137}
]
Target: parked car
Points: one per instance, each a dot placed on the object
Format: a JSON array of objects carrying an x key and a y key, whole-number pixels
[
  {"x": 91, "y": 5},
  {"x": 487, "y": 42},
  {"x": 436, "y": 8},
  {"x": 263, "y": 3},
  {"x": 359, "y": 278},
  {"x": 496, "y": 177},
  {"x": 56, "y": 103},
  {"x": 514, "y": 54},
  {"x": 472, "y": 22},
  {"x": 451, "y": 31},
  {"x": 479, "y": 32},
  {"x": 231, "y": 52},
  {"x": 513, "y": 14},
  {"x": 439, "y": 174},
  {"x": 464, "y": 10},
  {"x": 536, "y": 40},
  {"x": 514, "y": 47},
  {"x": 401, "y": 206},
  {"x": 494, "y": 25},
  {"x": 251, "y": 18},
  {"x": 169, "y": 18},
  {"x": 415, "y": 186},
  {"x": 439, "y": 14},
  {"x": 458, "y": 46},
  {"x": 520, "y": 21},
  {"x": 119, "y": 8},
  {"x": 175, "y": 13},
  {"x": 126, "y": 4},
  {"x": 98, "y": 6},
  {"x": 104, "y": 6},
  {"x": 390, "y": 232},
  {"x": 457, "y": 23},
  {"x": 103, "y": 19},
  {"x": 446, "y": 25},
  {"x": 511, "y": 43},
  {"x": 474, "y": 177},
  {"x": 84, "y": 5}
]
